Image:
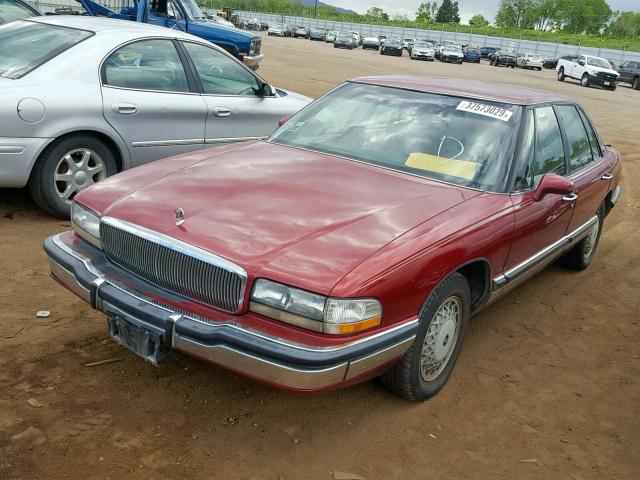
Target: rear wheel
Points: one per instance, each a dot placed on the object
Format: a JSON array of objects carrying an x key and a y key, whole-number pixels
[
  {"x": 580, "y": 256},
  {"x": 636, "y": 84},
  {"x": 584, "y": 81},
  {"x": 427, "y": 365},
  {"x": 67, "y": 167},
  {"x": 561, "y": 75}
]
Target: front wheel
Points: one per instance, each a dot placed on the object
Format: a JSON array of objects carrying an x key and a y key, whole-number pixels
[
  {"x": 580, "y": 256},
  {"x": 427, "y": 365},
  {"x": 636, "y": 84},
  {"x": 65, "y": 168},
  {"x": 584, "y": 81},
  {"x": 561, "y": 75}
]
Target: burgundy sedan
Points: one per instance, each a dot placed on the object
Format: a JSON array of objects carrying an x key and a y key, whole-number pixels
[{"x": 356, "y": 242}]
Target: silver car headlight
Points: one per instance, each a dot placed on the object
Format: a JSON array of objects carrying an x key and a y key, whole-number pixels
[
  {"x": 86, "y": 223},
  {"x": 313, "y": 311}
]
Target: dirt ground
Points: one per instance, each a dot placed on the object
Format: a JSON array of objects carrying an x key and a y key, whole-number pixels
[{"x": 547, "y": 386}]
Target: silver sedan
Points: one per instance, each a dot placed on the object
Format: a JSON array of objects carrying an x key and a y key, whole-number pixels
[{"x": 82, "y": 98}]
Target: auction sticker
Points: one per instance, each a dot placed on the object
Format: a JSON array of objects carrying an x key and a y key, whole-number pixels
[{"x": 486, "y": 110}]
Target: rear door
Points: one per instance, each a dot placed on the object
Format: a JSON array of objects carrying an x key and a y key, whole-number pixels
[
  {"x": 588, "y": 169},
  {"x": 235, "y": 109},
  {"x": 538, "y": 224},
  {"x": 147, "y": 98}
]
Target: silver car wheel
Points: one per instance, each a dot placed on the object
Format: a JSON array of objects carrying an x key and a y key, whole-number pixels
[
  {"x": 441, "y": 339},
  {"x": 77, "y": 170},
  {"x": 590, "y": 241}
]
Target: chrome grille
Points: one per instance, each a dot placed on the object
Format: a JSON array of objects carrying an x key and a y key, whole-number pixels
[
  {"x": 607, "y": 76},
  {"x": 173, "y": 265}
]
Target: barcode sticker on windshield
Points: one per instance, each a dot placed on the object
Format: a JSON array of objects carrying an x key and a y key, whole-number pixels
[{"x": 486, "y": 110}]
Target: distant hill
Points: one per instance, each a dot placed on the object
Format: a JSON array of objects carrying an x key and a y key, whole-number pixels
[{"x": 311, "y": 3}]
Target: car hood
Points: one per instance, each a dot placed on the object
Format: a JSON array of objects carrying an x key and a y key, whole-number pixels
[
  {"x": 284, "y": 213},
  {"x": 603, "y": 70}
]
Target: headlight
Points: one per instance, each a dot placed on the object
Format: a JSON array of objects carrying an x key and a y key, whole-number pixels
[
  {"x": 312, "y": 311},
  {"x": 253, "y": 48},
  {"x": 86, "y": 223}
]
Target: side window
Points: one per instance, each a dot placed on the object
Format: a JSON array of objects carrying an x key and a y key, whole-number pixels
[
  {"x": 549, "y": 150},
  {"x": 577, "y": 141},
  {"x": 219, "y": 74},
  {"x": 523, "y": 174},
  {"x": 146, "y": 65},
  {"x": 591, "y": 134}
]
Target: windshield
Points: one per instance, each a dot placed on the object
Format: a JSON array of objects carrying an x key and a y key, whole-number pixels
[
  {"x": 345, "y": 36},
  {"x": 452, "y": 48},
  {"x": 10, "y": 11},
  {"x": 424, "y": 45},
  {"x": 598, "y": 62},
  {"x": 193, "y": 10},
  {"x": 472, "y": 50},
  {"x": 25, "y": 46},
  {"x": 460, "y": 141},
  {"x": 392, "y": 42}
]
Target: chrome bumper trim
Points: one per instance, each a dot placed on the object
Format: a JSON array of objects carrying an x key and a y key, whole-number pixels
[
  {"x": 68, "y": 279},
  {"x": 261, "y": 368},
  {"x": 366, "y": 364},
  {"x": 252, "y": 60}
]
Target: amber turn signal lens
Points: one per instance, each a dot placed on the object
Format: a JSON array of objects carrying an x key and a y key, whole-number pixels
[{"x": 358, "y": 326}]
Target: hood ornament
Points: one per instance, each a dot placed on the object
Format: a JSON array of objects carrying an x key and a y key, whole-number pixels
[{"x": 179, "y": 216}]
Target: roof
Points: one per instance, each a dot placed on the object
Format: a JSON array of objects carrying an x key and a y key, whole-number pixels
[
  {"x": 467, "y": 88},
  {"x": 110, "y": 25}
]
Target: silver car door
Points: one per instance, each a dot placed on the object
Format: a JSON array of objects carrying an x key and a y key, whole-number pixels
[
  {"x": 236, "y": 109},
  {"x": 148, "y": 101}
]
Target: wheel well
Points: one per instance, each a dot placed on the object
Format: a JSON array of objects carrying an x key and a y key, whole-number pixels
[
  {"x": 101, "y": 136},
  {"x": 477, "y": 274},
  {"x": 230, "y": 49}
]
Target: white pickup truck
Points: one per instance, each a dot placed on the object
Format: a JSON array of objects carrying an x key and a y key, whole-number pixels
[{"x": 589, "y": 70}]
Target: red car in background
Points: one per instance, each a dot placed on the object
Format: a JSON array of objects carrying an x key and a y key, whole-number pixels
[{"x": 356, "y": 242}]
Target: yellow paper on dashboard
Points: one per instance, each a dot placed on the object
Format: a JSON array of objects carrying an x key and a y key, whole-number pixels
[{"x": 445, "y": 166}]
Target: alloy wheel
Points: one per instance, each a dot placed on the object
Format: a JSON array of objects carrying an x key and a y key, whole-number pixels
[
  {"x": 441, "y": 339},
  {"x": 77, "y": 170}
]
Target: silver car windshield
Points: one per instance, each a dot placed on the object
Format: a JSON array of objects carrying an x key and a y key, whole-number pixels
[
  {"x": 24, "y": 46},
  {"x": 10, "y": 11},
  {"x": 454, "y": 139}
]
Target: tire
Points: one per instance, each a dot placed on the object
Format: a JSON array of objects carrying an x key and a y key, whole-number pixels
[
  {"x": 613, "y": 88},
  {"x": 561, "y": 75},
  {"x": 636, "y": 84},
  {"x": 381, "y": 52},
  {"x": 580, "y": 256},
  {"x": 539, "y": 69},
  {"x": 47, "y": 193},
  {"x": 584, "y": 81},
  {"x": 407, "y": 378}
]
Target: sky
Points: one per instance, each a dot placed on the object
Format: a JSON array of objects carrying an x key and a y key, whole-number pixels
[{"x": 468, "y": 8}]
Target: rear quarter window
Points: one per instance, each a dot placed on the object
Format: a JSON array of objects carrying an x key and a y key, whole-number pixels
[{"x": 24, "y": 46}]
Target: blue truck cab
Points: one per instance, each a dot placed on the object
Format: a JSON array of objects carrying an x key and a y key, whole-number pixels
[{"x": 187, "y": 16}]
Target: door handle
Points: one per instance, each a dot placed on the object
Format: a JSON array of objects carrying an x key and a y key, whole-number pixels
[
  {"x": 221, "y": 111},
  {"x": 606, "y": 176},
  {"x": 570, "y": 198},
  {"x": 124, "y": 108}
]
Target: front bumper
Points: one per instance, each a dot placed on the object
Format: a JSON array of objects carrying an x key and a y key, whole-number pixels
[
  {"x": 602, "y": 82},
  {"x": 86, "y": 271},
  {"x": 17, "y": 156},
  {"x": 253, "y": 61},
  {"x": 425, "y": 56}
]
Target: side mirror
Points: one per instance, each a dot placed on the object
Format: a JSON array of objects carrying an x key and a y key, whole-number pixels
[
  {"x": 581, "y": 63},
  {"x": 553, "y": 184},
  {"x": 267, "y": 90},
  {"x": 283, "y": 120}
]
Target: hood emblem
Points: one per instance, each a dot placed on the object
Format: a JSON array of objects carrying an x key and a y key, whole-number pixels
[{"x": 179, "y": 216}]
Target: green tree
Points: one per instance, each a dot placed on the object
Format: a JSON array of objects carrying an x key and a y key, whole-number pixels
[
  {"x": 583, "y": 16},
  {"x": 478, "y": 20},
  {"x": 448, "y": 12},
  {"x": 516, "y": 14},
  {"x": 427, "y": 12},
  {"x": 376, "y": 14},
  {"x": 626, "y": 24}
]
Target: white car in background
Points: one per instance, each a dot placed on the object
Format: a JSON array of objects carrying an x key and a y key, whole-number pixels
[
  {"x": 82, "y": 98},
  {"x": 370, "y": 42},
  {"x": 423, "y": 50},
  {"x": 529, "y": 61},
  {"x": 589, "y": 70},
  {"x": 451, "y": 54},
  {"x": 277, "y": 30}
]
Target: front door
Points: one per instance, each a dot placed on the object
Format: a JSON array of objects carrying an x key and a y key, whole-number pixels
[
  {"x": 588, "y": 169},
  {"x": 236, "y": 110},
  {"x": 147, "y": 100},
  {"x": 538, "y": 223}
]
